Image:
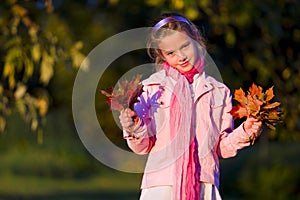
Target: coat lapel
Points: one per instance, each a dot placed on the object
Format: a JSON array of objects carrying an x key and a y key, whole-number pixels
[{"x": 202, "y": 86}]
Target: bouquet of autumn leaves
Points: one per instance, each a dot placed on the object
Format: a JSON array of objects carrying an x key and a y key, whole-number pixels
[
  {"x": 256, "y": 103},
  {"x": 125, "y": 94}
]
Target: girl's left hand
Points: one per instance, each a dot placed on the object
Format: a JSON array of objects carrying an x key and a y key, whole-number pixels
[{"x": 253, "y": 128}]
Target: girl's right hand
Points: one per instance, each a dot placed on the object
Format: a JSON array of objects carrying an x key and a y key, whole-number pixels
[
  {"x": 126, "y": 118},
  {"x": 253, "y": 128}
]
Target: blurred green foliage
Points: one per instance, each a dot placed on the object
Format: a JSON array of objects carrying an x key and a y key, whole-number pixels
[
  {"x": 42, "y": 44},
  {"x": 32, "y": 42},
  {"x": 251, "y": 41}
]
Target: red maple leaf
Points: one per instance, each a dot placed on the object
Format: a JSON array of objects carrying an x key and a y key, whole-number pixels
[{"x": 125, "y": 94}]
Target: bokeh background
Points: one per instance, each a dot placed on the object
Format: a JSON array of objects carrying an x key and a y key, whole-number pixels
[{"x": 42, "y": 44}]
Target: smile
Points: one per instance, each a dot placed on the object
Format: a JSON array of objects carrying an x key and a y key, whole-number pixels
[{"x": 184, "y": 64}]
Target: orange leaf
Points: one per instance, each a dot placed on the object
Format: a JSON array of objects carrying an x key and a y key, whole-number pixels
[
  {"x": 272, "y": 105},
  {"x": 239, "y": 111},
  {"x": 254, "y": 105},
  {"x": 257, "y": 104},
  {"x": 240, "y": 96},
  {"x": 255, "y": 90},
  {"x": 269, "y": 94}
]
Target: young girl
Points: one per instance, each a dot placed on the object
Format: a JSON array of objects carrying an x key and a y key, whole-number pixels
[{"x": 183, "y": 120}]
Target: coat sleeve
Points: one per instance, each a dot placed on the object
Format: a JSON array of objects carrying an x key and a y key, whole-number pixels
[
  {"x": 142, "y": 138},
  {"x": 141, "y": 142},
  {"x": 231, "y": 140}
]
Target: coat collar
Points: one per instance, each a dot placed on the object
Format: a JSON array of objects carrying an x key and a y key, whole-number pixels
[{"x": 202, "y": 82}]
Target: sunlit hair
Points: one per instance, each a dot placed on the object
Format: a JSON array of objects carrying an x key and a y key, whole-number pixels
[{"x": 157, "y": 35}]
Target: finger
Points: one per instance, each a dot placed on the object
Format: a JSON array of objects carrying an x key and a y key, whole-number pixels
[
  {"x": 256, "y": 126},
  {"x": 257, "y": 131},
  {"x": 130, "y": 112},
  {"x": 252, "y": 119},
  {"x": 258, "y": 123},
  {"x": 128, "y": 124},
  {"x": 124, "y": 117}
]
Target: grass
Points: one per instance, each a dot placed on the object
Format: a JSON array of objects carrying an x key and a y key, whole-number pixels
[
  {"x": 60, "y": 168},
  {"x": 99, "y": 186}
]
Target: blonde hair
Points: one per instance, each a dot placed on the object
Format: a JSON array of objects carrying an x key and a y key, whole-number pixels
[{"x": 158, "y": 33}]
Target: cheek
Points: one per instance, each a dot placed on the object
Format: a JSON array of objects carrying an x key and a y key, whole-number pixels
[
  {"x": 171, "y": 60},
  {"x": 191, "y": 51}
]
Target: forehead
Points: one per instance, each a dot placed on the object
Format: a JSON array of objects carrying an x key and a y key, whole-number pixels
[{"x": 173, "y": 40}]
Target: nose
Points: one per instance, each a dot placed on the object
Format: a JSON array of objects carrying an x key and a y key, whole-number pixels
[{"x": 181, "y": 55}]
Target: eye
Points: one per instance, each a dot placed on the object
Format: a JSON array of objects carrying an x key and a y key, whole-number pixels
[
  {"x": 186, "y": 45},
  {"x": 170, "y": 53}
]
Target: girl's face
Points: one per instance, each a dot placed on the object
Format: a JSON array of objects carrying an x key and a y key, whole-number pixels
[{"x": 178, "y": 50}]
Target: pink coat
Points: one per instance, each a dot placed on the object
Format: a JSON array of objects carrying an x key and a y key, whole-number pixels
[{"x": 214, "y": 130}]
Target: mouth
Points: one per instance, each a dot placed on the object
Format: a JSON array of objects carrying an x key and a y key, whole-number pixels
[{"x": 184, "y": 64}]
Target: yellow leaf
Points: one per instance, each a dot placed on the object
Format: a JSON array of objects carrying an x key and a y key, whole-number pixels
[
  {"x": 34, "y": 124},
  {"x": 191, "y": 13},
  {"x": 76, "y": 55},
  {"x": 46, "y": 68},
  {"x": 77, "y": 59},
  {"x": 29, "y": 68},
  {"x": 42, "y": 106},
  {"x": 19, "y": 10},
  {"x": 20, "y": 91},
  {"x": 11, "y": 81},
  {"x": 2, "y": 123},
  {"x": 78, "y": 45},
  {"x": 36, "y": 52},
  {"x": 8, "y": 69},
  {"x": 178, "y": 4},
  {"x": 1, "y": 89}
]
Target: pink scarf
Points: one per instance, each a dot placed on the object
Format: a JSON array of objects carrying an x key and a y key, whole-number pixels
[
  {"x": 189, "y": 75},
  {"x": 187, "y": 184}
]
